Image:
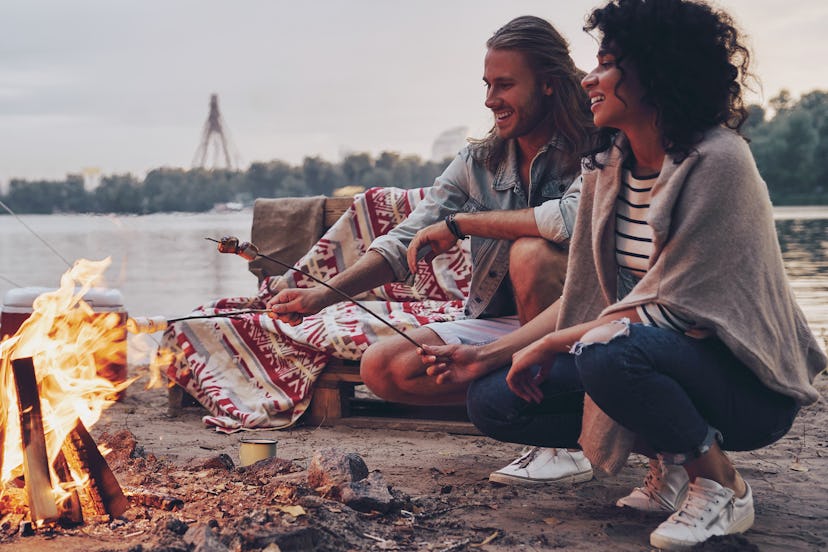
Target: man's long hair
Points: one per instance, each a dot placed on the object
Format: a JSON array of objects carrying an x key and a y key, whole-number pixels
[{"x": 547, "y": 53}]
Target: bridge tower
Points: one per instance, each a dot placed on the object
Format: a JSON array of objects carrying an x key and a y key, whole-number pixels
[{"x": 215, "y": 140}]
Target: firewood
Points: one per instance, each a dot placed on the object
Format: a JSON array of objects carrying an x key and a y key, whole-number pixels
[
  {"x": 108, "y": 492},
  {"x": 71, "y": 511},
  {"x": 35, "y": 460}
]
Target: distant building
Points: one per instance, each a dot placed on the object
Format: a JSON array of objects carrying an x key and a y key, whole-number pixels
[
  {"x": 91, "y": 178},
  {"x": 449, "y": 142}
]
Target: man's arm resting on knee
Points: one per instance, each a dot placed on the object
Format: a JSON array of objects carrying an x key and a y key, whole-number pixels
[
  {"x": 498, "y": 225},
  {"x": 552, "y": 220}
]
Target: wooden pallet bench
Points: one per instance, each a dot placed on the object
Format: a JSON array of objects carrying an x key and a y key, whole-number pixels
[{"x": 334, "y": 401}]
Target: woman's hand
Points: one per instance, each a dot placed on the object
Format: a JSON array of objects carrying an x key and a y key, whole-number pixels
[
  {"x": 521, "y": 378},
  {"x": 453, "y": 363}
]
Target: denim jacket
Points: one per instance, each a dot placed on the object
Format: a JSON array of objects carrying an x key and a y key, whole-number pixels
[{"x": 467, "y": 186}]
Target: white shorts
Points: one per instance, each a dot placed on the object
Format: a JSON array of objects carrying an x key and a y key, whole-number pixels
[{"x": 474, "y": 331}]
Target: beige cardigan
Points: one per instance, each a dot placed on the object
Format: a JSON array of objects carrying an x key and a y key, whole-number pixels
[{"x": 716, "y": 261}]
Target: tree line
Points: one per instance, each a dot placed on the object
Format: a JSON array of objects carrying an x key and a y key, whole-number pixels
[{"x": 790, "y": 147}]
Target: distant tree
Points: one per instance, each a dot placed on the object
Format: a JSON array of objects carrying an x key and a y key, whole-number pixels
[
  {"x": 320, "y": 176},
  {"x": 356, "y": 167},
  {"x": 781, "y": 102},
  {"x": 755, "y": 120},
  {"x": 267, "y": 179},
  {"x": 791, "y": 148},
  {"x": 47, "y": 196},
  {"x": 118, "y": 194}
]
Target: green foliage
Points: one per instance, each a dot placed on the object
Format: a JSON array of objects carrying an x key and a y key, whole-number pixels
[
  {"x": 791, "y": 148},
  {"x": 197, "y": 190}
]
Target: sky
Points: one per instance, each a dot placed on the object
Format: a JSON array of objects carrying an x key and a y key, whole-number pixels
[{"x": 124, "y": 86}]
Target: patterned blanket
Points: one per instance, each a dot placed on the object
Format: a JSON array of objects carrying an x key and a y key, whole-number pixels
[{"x": 253, "y": 372}]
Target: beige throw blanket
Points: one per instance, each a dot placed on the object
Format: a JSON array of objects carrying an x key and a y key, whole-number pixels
[{"x": 716, "y": 261}]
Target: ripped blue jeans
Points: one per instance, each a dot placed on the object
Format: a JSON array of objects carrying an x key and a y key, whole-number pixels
[{"x": 669, "y": 389}]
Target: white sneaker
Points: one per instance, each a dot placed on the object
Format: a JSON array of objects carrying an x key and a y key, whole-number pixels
[
  {"x": 708, "y": 510},
  {"x": 540, "y": 466},
  {"x": 664, "y": 488}
]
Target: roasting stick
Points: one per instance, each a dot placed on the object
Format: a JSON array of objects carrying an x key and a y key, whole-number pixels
[
  {"x": 152, "y": 324},
  {"x": 246, "y": 250},
  {"x": 35, "y": 234}
]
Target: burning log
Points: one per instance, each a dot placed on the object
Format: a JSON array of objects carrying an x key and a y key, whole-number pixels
[
  {"x": 104, "y": 493},
  {"x": 71, "y": 508},
  {"x": 35, "y": 460},
  {"x": 99, "y": 496}
]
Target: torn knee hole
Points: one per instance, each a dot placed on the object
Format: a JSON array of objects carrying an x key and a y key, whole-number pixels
[{"x": 602, "y": 334}]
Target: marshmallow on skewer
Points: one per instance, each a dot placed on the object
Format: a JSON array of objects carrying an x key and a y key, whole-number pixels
[{"x": 146, "y": 324}]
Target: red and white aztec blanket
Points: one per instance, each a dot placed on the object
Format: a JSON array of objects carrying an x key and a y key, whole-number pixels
[{"x": 253, "y": 372}]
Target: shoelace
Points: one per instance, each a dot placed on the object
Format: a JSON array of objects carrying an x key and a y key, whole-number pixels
[
  {"x": 651, "y": 482},
  {"x": 527, "y": 458},
  {"x": 696, "y": 504}
]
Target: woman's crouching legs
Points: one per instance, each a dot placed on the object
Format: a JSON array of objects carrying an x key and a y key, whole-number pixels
[{"x": 497, "y": 412}]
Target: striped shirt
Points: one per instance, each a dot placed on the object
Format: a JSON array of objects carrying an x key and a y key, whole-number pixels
[{"x": 634, "y": 246}]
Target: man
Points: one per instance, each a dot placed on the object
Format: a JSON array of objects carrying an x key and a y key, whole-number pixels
[{"x": 511, "y": 192}]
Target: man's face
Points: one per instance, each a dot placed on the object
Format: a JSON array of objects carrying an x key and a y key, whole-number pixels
[{"x": 513, "y": 93}]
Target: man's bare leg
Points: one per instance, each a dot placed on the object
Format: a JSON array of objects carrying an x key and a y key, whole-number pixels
[
  {"x": 537, "y": 268},
  {"x": 392, "y": 369}
]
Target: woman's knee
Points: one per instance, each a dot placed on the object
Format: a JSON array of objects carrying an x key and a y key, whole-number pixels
[
  {"x": 490, "y": 404},
  {"x": 598, "y": 356}
]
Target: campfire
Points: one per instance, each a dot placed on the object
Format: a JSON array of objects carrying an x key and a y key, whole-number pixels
[{"x": 56, "y": 378}]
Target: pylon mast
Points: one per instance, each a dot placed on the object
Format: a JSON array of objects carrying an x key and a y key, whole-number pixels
[{"x": 213, "y": 138}]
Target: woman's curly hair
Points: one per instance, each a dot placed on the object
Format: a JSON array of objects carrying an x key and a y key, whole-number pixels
[{"x": 691, "y": 62}]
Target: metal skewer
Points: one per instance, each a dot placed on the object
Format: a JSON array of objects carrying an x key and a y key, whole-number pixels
[{"x": 246, "y": 250}]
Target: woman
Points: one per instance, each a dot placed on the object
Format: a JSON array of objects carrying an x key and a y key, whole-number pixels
[{"x": 677, "y": 319}]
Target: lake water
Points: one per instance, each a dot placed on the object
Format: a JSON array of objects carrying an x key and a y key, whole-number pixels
[{"x": 163, "y": 265}]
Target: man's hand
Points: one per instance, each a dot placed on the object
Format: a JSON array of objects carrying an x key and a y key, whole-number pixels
[
  {"x": 522, "y": 378},
  {"x": 293, "y": 304},
  {"x": 453, "y": 363},
  {"x": 437, "y": 236}
]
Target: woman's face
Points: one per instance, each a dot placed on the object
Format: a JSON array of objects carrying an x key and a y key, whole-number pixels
[{"x": 616, "y": 95}]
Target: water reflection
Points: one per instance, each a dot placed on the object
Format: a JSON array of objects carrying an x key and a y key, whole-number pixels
[{"x": 804, "y": 244}]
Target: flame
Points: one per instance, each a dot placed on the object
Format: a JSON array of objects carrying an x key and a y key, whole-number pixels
[
  {"x": 70, "y": 345},
  {"x": 148, "y": 360}
]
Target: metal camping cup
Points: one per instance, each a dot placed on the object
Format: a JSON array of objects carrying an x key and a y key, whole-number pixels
[{"x": 253, "y": 450}]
